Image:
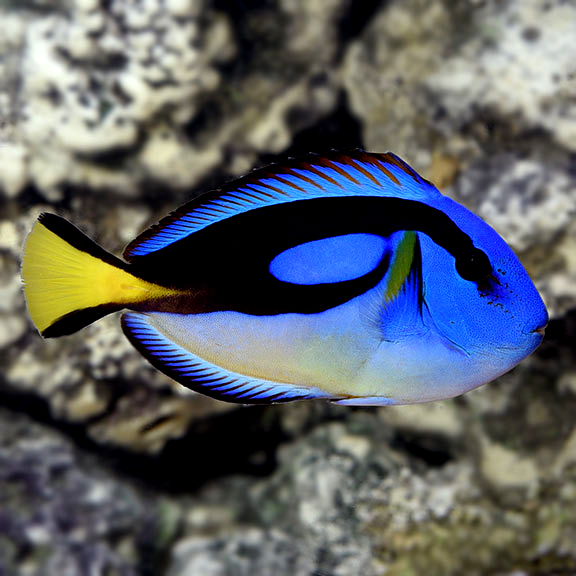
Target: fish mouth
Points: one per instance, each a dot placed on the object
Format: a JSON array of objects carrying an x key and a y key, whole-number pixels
[{"x": 540, "y": 331}]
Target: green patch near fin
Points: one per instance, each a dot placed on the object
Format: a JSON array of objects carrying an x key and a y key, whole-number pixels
[
  {"x": 400, "y": 304},
  {"x": 400, "y": 265}
]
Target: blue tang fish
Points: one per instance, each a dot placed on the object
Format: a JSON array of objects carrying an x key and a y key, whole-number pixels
[{"x": 343, "y": 276}]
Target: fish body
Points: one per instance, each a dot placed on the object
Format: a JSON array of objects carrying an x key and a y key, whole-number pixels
[{"x": 346, "y": 277}]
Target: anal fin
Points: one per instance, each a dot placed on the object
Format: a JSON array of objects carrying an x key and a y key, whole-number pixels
[{"x": 203, "y": 376}]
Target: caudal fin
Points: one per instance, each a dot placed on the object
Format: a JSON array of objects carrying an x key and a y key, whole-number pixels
[{"x": 70, "y": 281}]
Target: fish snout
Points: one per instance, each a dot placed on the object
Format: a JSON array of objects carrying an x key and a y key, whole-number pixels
[{"x": 540, "y": 330}]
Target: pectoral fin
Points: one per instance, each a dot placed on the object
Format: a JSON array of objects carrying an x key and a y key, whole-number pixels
[{"x": 400, "y": 303}]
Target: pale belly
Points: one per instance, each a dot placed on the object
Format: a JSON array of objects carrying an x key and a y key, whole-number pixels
[
  {"x": 340, "y": 351},
  {"x": 326, "y": 350}
]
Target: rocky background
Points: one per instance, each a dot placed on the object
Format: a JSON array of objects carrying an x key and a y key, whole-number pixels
[{"x": 112, "y": 112}]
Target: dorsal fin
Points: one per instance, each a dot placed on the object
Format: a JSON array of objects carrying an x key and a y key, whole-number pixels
[{"x": 354, "y": 173}]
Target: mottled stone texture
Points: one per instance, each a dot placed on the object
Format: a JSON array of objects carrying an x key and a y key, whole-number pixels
[
  {"x": 60, "y": 513},
  {"x": 113, "y": 112}
]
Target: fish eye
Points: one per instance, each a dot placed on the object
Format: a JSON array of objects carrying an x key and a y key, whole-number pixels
[{"x": 474, "y": 266}]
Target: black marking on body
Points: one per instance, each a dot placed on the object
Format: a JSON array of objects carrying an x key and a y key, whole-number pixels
[{"x": 225, "y": 266}]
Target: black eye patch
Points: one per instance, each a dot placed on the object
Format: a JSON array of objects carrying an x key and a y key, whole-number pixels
[{"x": 474, "y": 266}]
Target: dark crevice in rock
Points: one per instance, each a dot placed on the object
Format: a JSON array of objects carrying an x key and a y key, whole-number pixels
[
  {"x": 242, "y": 442},
  {"x": 338, "y": 131},
  {"x": 30, "y": 196},
  {"x": 560, "y": 338},
  {"x": 204, "y": 123},
  {"x": 355, "y": 20},
  {"x": 33, "y": 406},
  {"x": 572, "y": 165},
  {"x": 112, "y": 61},
  {"x": 258, "y": 32},
  {"x": 154, "y": 556},
  {"x": 551, "y": 564},
  {"x": 113, "y": 158},
  {"x": 35, "y": 6},
  {"x": 432, "y": 450}
]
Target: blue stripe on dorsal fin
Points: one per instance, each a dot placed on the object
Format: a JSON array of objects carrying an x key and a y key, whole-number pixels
[
  {"x": 354, "y": 173},
  {"x": 204, "y": 377}
]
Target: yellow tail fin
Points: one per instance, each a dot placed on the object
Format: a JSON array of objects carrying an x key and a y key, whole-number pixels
[{"x": 70, "y": 281}]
